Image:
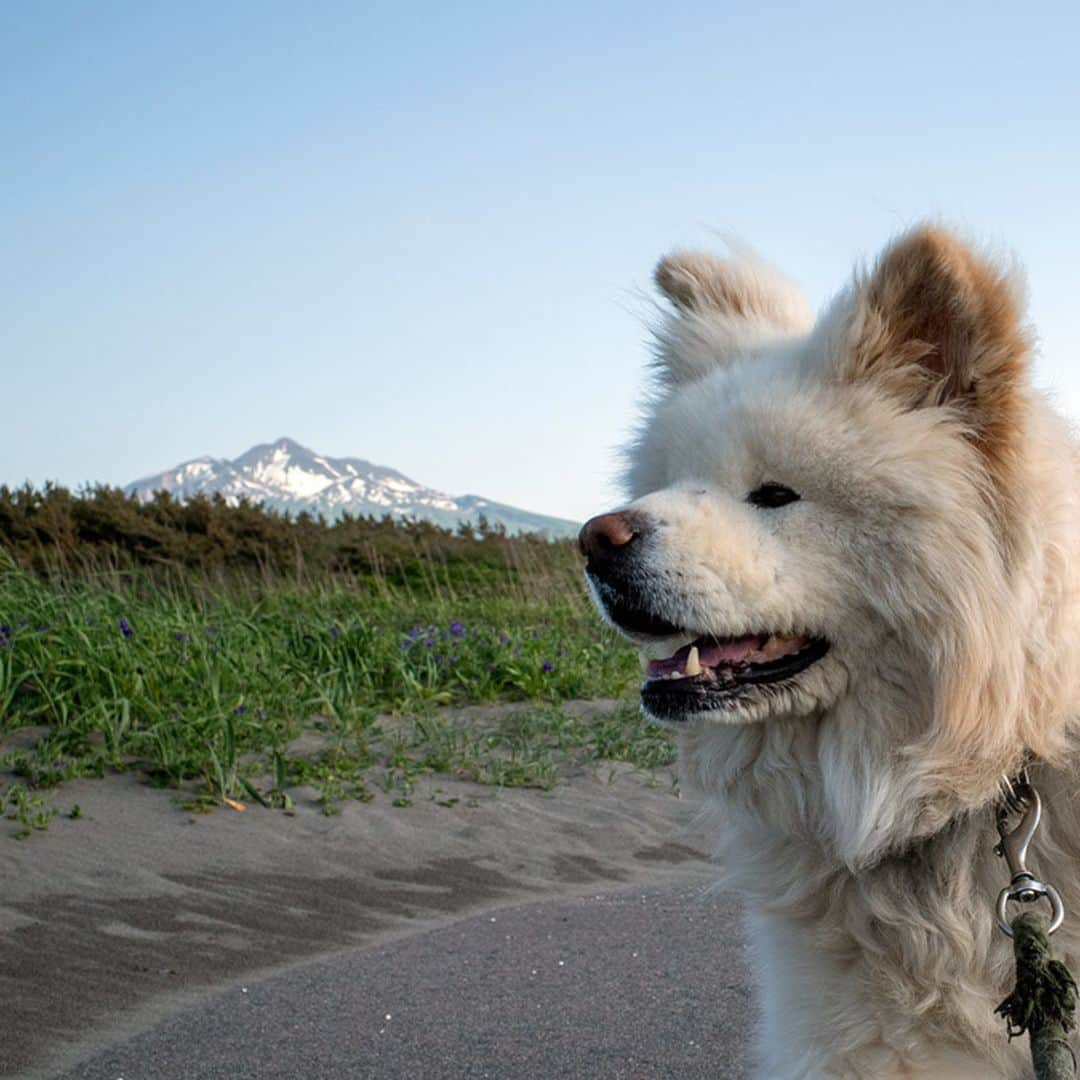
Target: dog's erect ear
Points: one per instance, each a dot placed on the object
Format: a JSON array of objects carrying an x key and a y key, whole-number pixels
[
  {"x": 722, "y": 308},
  {"x": 937, "y": 324}
]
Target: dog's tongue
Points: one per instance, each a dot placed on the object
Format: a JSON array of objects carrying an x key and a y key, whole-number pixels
[
  {"x": 726, "y": 652},
  {"x": 709, "y": 655}
]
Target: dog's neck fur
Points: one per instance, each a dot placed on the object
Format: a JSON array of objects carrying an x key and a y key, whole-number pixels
[{"x": 817, "y": 783}]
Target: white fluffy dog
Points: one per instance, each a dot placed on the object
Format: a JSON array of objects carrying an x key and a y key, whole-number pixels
[{"x": 850, "y": 561}]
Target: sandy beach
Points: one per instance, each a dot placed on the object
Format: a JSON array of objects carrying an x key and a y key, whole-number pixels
[{"x": 131, "y": 922}]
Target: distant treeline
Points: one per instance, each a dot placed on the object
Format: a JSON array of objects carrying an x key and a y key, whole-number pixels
[{"x": 53, "y": 531}]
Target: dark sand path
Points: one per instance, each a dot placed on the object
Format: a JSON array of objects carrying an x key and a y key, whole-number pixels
[{"x": 617, "y": 984}]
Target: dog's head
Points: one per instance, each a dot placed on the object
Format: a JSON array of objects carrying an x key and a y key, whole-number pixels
[{"x": 820, "y": 508}]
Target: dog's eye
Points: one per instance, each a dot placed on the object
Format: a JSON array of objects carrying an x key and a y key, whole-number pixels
[{"x": 770, "y": 495}]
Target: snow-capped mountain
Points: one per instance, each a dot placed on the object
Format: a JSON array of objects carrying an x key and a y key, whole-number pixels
[{"x": 288, "y": 476}]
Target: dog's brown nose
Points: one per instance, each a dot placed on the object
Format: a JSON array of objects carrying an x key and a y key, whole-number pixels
[{"x": 602, "y": 535}]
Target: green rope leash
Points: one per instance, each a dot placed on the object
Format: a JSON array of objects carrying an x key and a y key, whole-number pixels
[{"x": 1044, "y": 1001}]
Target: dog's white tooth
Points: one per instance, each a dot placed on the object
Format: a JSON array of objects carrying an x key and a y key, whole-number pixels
[{"x": 693, "y": 664}]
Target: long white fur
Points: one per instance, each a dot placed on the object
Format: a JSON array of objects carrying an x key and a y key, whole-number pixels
[{"x": 855, "y": 809}]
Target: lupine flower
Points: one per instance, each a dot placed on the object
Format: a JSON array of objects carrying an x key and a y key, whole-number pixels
[
  {"x": 240, "y": 710},
  {"x": 547, "y": 667},
  {"x": 456, "y": 629},
  {"x": 335, "y": 633},
  {"x": 503, "y": 639},
  {"x": 125, "y": 628}
]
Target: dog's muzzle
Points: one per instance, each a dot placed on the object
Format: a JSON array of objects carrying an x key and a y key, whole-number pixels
[{"x": 613, "y": 545}]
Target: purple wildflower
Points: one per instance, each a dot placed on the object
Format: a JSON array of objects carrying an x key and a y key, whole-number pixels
[
  {"x": 456, "y": 629},
  {"x": 125, "y": 628},
  {"x": 504, "y": 640},
  {"x": 335, "y": 633},
  {"x": 547, "y": 667},
  {"x": 240, "y": 710}
]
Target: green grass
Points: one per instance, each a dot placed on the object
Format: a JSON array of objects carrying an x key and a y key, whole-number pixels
[{"x": 206, "y": 689}]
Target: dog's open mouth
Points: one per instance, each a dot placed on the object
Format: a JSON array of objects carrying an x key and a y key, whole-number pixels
[{"x": 715, "y": 672}]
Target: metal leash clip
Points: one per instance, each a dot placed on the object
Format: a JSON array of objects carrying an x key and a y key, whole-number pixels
[{"x": 1021, "y": 798}]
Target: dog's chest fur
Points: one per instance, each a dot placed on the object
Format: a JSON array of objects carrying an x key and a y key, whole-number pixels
[{"x": 869, "y": 968}]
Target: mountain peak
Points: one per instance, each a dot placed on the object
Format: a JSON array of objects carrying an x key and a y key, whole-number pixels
[
  {"x": 290, "y": 446},
  {"x": 288, "y": 476}
]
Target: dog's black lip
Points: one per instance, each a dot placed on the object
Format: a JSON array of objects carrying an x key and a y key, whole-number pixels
[
  {"x": 631, "y": 616},
  {"x": 674, "y": 699}
]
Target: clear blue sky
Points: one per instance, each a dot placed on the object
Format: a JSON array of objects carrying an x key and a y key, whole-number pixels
[{"x": 422, "y": 234}]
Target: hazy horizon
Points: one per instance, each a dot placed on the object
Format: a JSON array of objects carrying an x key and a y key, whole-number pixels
[{"x": 424, "y": 236}]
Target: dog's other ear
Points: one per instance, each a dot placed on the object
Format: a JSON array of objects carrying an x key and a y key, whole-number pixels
[
  {"x": 937, "y": 324},
  {"x": 722, "y": 308}
]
